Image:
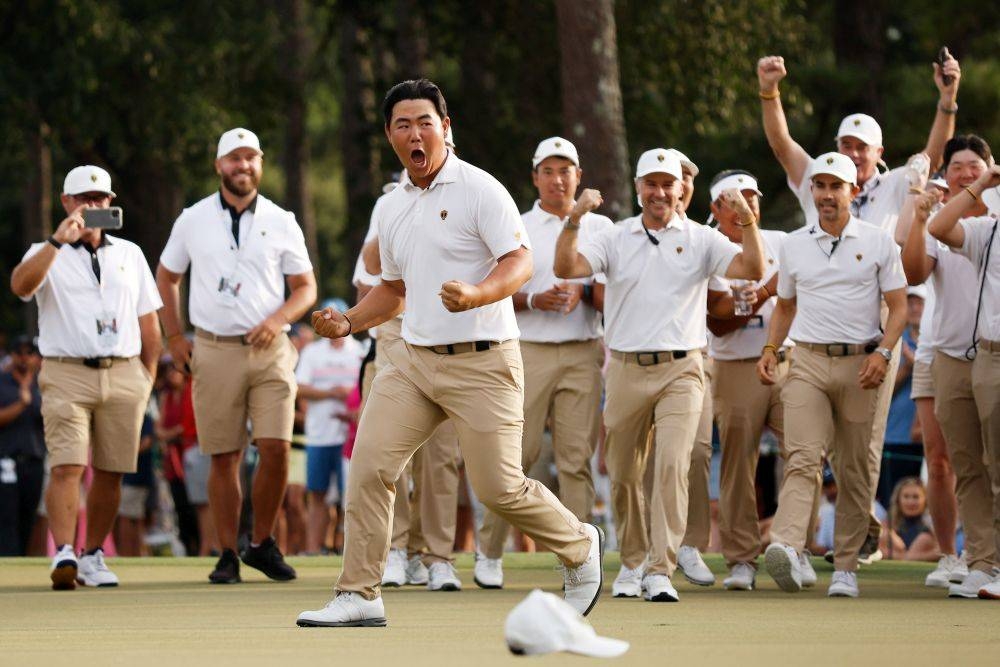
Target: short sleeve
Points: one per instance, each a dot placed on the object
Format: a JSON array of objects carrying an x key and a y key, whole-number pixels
[
  {"x": 718, "y": 284},
  {"x": 803, "y": 192},
  {"x": 361, "y": 276},
  {"x": 295, "y": 258},
  {"x": 890, "y": 265},
  {"x": 176, "y": 257},
  {"x": 148, "y": 299},
  {"x": 786, "y": 277},
  {"x": 498, "y": 222},
  {"x": 931, "y": 245},
  {"x": 596, "y": 250},
  {"x": 719, "y": 252},
  {"x": 597, "y": 225},
  {"x": 977, "y": 234},
  {"x": 32, "y": 251}
]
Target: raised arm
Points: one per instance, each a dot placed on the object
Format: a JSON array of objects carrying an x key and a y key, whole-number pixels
[
  {"x": 917, "y": 265},
  {"x": 793, "y": 158},
  {"x": 749, "y": 264},
  {"x": 943, "y": 127},
  {"x": 30, "y": 273},
  {"x": 944, "y": 227},
  {"x": 569, "y": 263}
]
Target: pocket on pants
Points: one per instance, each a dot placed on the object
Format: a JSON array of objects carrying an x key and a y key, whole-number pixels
[{"x": 859, "y": 404}]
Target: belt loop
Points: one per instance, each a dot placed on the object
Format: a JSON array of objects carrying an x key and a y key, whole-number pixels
[{"x": 450, "y": 348}]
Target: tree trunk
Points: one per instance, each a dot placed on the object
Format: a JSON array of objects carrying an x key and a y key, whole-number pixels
[
  {"x": 411, "y": 39},
  {"x": 592, "y": 100},
  {"x": 859, "y": 44},
  {"x": 36, "y": 218},
  {"x": 296, "y": 157}
]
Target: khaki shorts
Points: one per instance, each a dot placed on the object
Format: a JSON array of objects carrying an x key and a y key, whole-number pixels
[
  {"x": 297, "y": 467},
  {"x": 234, "y": 382},
  {"x": 102, "y": 408},
  {"x": 923, "y": 383},
  {"x": 133, "y": 502}
]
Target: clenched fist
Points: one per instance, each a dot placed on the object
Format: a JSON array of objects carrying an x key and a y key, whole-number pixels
[
  {"x": 330, "y": 323},
  {"x": 770, "y": 70},
  {"x": 458, "y": 296},
  {"x": 733, "y": 198},
  {"x": 589, "y": 200}
]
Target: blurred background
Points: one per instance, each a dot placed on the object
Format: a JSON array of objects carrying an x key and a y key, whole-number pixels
[{"x": 144, "y": 88}]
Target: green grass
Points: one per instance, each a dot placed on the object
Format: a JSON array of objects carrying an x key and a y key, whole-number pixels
[{"x": 165, "y": 613}]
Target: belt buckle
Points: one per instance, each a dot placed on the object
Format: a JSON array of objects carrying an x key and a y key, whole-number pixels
[
  {"x": 832, "y": 346},
  {"x": 655, "y": 358},
  {"x": 98, "y": 362}
]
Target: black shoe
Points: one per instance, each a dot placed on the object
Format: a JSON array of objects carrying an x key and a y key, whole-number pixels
[
  {"x": 227, "y": 569},
  {"x": 268, "y": 559},
  {"x": 870, "y": 553}
]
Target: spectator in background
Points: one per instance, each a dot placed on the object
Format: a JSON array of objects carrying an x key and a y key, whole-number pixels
[
  {"x": 175, "y": 430},
  {"x": 910, "y": 537},
  {"x": 22, "y": 447},
  {"x": 136, "y": 489},
  {"x": 903, "y": 452}
]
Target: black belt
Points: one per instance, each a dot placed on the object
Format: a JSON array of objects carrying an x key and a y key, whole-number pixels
[
  {"x": 839, "y": 349},
  {"x": 650, "y": 358},
  {"x": 461, "y": 348}
]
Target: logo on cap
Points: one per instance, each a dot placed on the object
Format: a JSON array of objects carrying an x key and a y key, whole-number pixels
[
  {"x": 444, "y": 214},
  {"x": 679, "y": 250},
  {"x": 558, "y": 144},
  {"x": 661, "y": 157},
  {"x": 93, "y": 178},
  {"x": 739, "y": 179},
  {"x": 240, "y": 135},
  {"x": 829, "y": 160},
  {"x": 857, "y": 122},
  {"x": 858, "y": 256}
]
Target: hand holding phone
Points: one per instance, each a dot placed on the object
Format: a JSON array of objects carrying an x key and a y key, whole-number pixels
[
  {"x": 103, "y": 218},
  {"x": 942, "y": 58}
]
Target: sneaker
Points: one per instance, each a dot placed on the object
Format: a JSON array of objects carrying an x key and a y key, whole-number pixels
[
  {"x": 843, "y": 584},
  {"x": 782, "y": 563},
  {"x": 990, "y": 591},
  {"x": 394, "y": 575},
  {"x": 416, "y": 572},
  {"x": 693, "y": 567},
  {"x": 961, "y": 570},
  {"x": 806, "y": 571},
  {"x": 443, "y": 577},
  {"x": 628, "y": 583},
  {"x": 346, "y": 610},
  {"x": 942, "y": 574},
  {"x": 267, "y": 558},
  {"x": 658, "y": 588},
  {"x": 227, "y": 569},
  {"x": 976, "y": 580},
  {"x": 94, "y": 572},
  {"x": 870, "y": 553},
  {"x": 582, "y": 585},
  {"x": 742, "y": 577},
  {"x": 64, "y": 569},
  {"x": 488, "y": 572}
]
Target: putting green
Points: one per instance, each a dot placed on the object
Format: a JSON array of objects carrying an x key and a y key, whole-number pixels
[{"x": 165, "y": 613}]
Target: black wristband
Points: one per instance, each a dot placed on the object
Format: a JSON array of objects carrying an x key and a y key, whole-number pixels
[{"x": 55, "y": 244}]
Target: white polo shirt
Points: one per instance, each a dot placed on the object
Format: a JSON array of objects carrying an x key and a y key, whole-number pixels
[
  {"x": 455, "y": 229},
  {"x": 542, "y": 326},
  {"x": 235, "y": 288},
  {"x": 977, "y": 236},
  {"x": 324, "y": 366},
  {"x": 838, "y": 291},
  {"x": 656, "y": 294},
  {"x": 879, "y": 202},
  {"x": 747, "y": 342},
  {"x": 956, "y": 283},
  {"x": 73, "y": 307}
]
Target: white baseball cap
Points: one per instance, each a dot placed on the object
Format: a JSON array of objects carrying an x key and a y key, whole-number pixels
[
  {"x": 938, "y": 183},
  {"x": 685, "y": 161},
  {"x": 237, "y": 137},
  {"x": 739, "y": 181},
  {"x": 863, "y": 127},
  {"x": 555, "y": 147},
  {"x": 835, "y": 164},
  {"x": 917, "y": 290},
  {"x": 87, "y": 178},
  {"x": 544, "y": 623},
  {"x": 658, "y": 161}
]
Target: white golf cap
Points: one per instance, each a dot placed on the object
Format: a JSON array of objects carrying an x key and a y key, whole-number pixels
[
  {"x": 544, "y": 623},
  {"x": 87, "y": 178},
  {"x": 658, "y": 161},
  {"x": 237, "y": 137},
  {"x": 938, "y": 183},
  {"x": 835, "y": 164},
  {"x": 685, "y": 161},
  {"x": 863, "y": 127},
  {"x": 555, "y": 147},
  {"x": 917, "y": 290},
  {"x": 739, "y": 181}
]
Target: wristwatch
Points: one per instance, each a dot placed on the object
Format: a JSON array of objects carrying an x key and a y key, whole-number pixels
[{"x": 885, "y": 352}]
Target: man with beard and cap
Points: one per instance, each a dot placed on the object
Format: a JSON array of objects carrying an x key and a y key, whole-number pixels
[
  {"x": 881, "y": 196},
  {"x": 658, "y": 265},
  {"x": 242, "y": 250}
]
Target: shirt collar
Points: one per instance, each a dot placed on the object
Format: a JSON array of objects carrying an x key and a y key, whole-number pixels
[
  {"x": 232, "y": 210},
  {"x": 675, "y": 222},
  {"x": 851, "y": 229},
  {"x": 447, "y": 174},
  {"x": 79, "y": 243},
  {"x": 544, "y": 216}
]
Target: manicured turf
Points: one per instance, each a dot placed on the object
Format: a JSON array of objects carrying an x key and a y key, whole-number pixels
[{"x": 165, "y": 613}]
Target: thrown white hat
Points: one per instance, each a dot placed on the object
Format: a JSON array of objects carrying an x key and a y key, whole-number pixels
[
  {"x": 863, "y": 127},
  {"x": 238, "y": 137},
  {"x": 685, "y": 161},
  {"x": 544, "y": 623},
  {"x": 555, "y": 147},
  {"x": 835, "y": 164},
  {"x": 739, "y": 181},
  {"x": 658, "y": 161},
  {"x": 87, "y": 178}
]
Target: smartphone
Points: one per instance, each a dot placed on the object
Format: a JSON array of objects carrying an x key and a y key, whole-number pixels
[
  {"x": 941, "y": 58},
  {"x": 103, "y": 218}
]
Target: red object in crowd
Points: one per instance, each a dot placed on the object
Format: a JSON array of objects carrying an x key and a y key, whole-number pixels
[{"x": 353, "y": 405}]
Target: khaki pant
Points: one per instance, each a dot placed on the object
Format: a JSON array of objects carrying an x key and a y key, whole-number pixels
[
  {"x": 826, "y": 411},
  {"x": 955, "y": 409},
  {"x": 85, "y": 407},
  {"x": 744, "y": 406},
  {"x": 234, "y": 382},
  {"x": 562, "y": 381},
  {"x": 699, "y": 516},
  {"x": 668, "y": 396},
  {"x": 877, "y": 440},
  {"x": 483, "y": 394},
  {"x": 986, "y": 390}
]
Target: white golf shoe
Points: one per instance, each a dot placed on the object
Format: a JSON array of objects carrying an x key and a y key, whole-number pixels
[
  {"x": 394, "y": 575},
  {"x": 693, "y": 567},
  {"x": 782, "y": 563},
  {"x": 64, "y": 569},
  {"x": 806, "y": 572},
  {"x": 628, "y": 583},
  {"x": 488, "y": 572},
  {"x": 582, "y": 584},
  {"x": 442, "y": 576},
  {"x": 416, "y": 572},
  {"x": 843, "y": 584},
  {"x": 346, "y": 610},
  {"x": 949, "y": 566},
  {"x": 657, "y": 588},
  {"x": 94, "y": 572},
  {"x": 742, "y": 577},
  {"x": 976, "y": 580}
]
